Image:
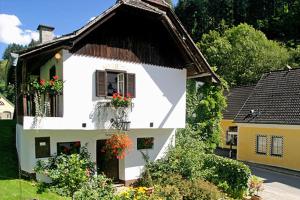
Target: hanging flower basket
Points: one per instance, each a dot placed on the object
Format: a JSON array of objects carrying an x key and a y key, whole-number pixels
[
  {"x": 117, "y": 145},
  {"x": 121, "y": 101}
]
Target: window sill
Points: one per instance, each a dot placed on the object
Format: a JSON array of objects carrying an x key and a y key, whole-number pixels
[{"x": 259, "y": 153}]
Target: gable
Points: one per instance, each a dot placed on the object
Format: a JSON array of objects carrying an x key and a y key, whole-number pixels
[
  {"x": 132, "y": 36},
  {"x": 184, "y": 55}
]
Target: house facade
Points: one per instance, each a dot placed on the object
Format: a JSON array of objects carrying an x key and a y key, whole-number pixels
[
  {"x": 269, "y": 121},
  {"x": 137, "y": 47},
  {"x": 236, "y": 98},
  {"x": 6, "y": 108}
]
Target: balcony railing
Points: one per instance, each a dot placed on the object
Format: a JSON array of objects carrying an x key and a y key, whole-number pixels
[{"x": 44, "y": 105}]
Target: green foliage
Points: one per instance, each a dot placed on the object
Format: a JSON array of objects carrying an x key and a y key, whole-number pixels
[
  {"x": 278, "y": 19},
  {"x": 68, "y": 173},
  {"x": 97, "y": 188},
  {"x": 231, "y": 175},
  {"x": 188, "y": 161},
  {"x": 204, "y": 112},
  {"x": 167, "y": 192},
  {"x": 295, "y": 57},
  {"x": 242, "y": 54}
]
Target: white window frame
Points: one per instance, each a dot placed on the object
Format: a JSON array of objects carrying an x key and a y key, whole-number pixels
[
  {"x": 277, "y": 146},
  {"x": 261, "y": 148}
]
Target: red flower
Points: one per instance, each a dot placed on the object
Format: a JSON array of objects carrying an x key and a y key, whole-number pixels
[
  {"x": 125, "y": 99},
  {"x": 55, "y": 77},
  {"x": 42, "y": 82},
  {"x": 114, "y": 95},
  {"x": 129, "y": 95}
]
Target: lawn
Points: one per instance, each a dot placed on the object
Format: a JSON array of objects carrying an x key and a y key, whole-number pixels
[{"x": 11, "y": 187}]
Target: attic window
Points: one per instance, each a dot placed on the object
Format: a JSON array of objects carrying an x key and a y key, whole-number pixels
[{"x": 1, "y": 103}]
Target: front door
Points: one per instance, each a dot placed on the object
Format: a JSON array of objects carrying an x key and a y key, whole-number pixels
[{"x": 108, "y": 166}]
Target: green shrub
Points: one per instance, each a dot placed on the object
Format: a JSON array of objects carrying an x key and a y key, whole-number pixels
[
  {"x": 167, "y": 192},
  {"x": 97, "y": 188},
  {"x": 230, "y": 175},
  {"x": 200, "y": 190},
  {"x": 74, "y": 173},
  {"x": 188, "y": 160}
]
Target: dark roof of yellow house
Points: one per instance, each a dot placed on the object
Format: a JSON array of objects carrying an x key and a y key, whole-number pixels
[
  {"x": 236, "y": 98},
  {"x": 274, "y": 100}
]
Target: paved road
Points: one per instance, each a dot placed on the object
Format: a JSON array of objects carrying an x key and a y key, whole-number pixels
[{"x": 278, "y": 186}]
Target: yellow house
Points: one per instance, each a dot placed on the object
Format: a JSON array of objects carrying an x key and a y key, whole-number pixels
[
  {"x": 6, "y": 108},
  {"x": 235, "y": 100},
  {"x": 269, "y": 121}
]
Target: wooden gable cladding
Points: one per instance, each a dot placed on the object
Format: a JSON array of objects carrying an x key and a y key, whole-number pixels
[{"x": 135, "y": 38}]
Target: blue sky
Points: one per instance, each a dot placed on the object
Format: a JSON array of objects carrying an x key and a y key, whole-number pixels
[{"x": 20, "y": 18}]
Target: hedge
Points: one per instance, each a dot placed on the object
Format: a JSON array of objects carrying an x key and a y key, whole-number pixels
[{"x": 231, "y": 175}]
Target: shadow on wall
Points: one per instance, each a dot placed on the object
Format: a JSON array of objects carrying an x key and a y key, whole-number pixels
[{"x": 167, "y": 88}]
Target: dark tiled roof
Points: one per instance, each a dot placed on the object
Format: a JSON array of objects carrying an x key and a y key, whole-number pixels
[
  {"x": 275, "y": 100},
  {"x": 236, "y": 98}
]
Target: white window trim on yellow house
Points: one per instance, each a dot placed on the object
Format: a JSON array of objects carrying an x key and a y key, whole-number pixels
[{"x": 246, "y": 149}]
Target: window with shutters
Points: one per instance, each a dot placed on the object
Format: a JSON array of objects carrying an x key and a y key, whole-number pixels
[{"x": 110, "y": 82}]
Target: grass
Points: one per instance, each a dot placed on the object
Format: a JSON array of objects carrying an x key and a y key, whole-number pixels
[{"x": 11, "y": 187}]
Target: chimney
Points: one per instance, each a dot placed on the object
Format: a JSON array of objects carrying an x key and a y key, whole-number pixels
[{"x": 46, "y": 33}]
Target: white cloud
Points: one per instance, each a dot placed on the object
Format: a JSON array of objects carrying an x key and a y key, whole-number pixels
[{"x": 10, "y": 31}]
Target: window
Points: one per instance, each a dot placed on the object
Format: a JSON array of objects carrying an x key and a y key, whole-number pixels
[
  {"x": 1, "y": 103},
  {"x": 115, "y": 83},
  {"x": 277, "y": 146},
  {"x": 110, "y": 82},
  {"x": 145, "y": 143},
  {"x": 52, "y": 72},
  {"x": 68, "y": 147},
  {"x": 42, "y": 147},
  {"x": 231, "y": 135},
  {"x": 261, "y": 144}
]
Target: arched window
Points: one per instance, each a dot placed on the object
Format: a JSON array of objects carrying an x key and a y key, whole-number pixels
[{"x": 6, "y": 115}]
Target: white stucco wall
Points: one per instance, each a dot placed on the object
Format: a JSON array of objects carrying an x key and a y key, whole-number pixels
[
  {"x": 160, "y": 94},
  {"x": 6, "y": 109},
  {"x": 129, "y": 168}
]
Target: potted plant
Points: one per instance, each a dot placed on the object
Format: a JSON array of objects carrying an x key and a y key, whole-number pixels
[
  {"x": 117, "y": 145},
  {"x": 255, "y": 185},
  {"x": 121, "y": 101}
]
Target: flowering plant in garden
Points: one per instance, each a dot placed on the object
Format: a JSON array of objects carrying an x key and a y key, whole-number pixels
[
  {"x": 117, "y": 145},
  {"x": 53, "y": 86},
  {"x": 255, "y": 185},
  {"x": 121, "y": 101}
]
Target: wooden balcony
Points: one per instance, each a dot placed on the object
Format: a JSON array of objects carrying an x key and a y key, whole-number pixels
[{"x": 50, "y": 105}]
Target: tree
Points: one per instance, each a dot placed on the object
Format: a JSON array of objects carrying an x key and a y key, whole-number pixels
[
  {"x": 205, "y": 104},
  {"x": 242, "y": 54},
  {"x": 278, "y": 19}
]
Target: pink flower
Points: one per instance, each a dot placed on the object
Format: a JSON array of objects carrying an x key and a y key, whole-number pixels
[{"x": 55, "y": 77}]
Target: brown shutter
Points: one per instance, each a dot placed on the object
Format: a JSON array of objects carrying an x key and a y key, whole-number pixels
[
  {"x": 131, "y": 84},
  {"x": 100, "y": 83}
]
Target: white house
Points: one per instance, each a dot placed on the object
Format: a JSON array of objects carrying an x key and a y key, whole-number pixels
[
  {"x": 136, "y": 46},
  {"x": 6, "y": 108}
]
